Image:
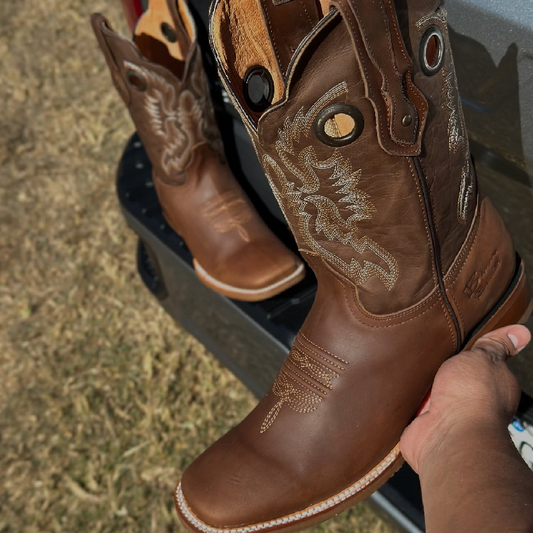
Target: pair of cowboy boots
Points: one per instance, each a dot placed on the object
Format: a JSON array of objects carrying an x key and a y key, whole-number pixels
[
  {"x": 161, "y": 79},
  {"x": 354, "y": 111}
]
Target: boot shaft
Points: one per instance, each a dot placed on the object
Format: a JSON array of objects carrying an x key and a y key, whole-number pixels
[
  {"x": 364, "y": 142},
  {"x": 164, "y": 88}
]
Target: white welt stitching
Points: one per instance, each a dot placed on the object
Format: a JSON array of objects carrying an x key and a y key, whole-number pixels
[
  {"x": 227, "y": 287},
  {"x": 306, "y": 513}
]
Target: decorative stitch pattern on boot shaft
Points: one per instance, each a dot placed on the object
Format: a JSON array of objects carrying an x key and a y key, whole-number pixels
[
  {"x": 303, "y": 381},
  {"x": 183, "y": 120},
  {"x": 458, "y": 141},
  {"x": 440, "y": 15},
  {"x": 457, "y": 136},
  {"x": 226, "y": 212},
  {"x": 297, "y": 185}
]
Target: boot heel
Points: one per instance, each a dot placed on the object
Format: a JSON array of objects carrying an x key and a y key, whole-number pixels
[{"x": 515, "y": 307}]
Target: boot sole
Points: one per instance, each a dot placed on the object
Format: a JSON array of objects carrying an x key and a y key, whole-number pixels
[
  {"x": 514, "y": 307},
  {"x": 249, "y": 295}
]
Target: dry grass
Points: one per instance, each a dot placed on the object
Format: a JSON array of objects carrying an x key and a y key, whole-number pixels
[{"x": 104, "y": 400}]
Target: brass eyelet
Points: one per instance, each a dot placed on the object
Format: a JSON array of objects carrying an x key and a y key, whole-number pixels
[{"x": 329, "y": 113}]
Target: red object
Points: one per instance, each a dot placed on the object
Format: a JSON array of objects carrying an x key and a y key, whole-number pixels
[{"x": 133, "y": 10}]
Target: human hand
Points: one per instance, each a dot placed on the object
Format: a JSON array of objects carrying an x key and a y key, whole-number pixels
[{"x": 472, "y": 390}]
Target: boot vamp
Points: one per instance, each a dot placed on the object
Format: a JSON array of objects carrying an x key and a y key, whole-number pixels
[
  {"x": 222, "y": 229},
  {"x": 342, "y": 399}
]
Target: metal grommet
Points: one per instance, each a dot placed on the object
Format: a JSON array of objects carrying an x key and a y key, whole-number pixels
[
  {"x": 136, "y": 80},
  {"x": 321, "y": 124},
  {"x": 258, "y": 88},
  {"x": 169, "y": 33},
  {"x": 432, "y": 51}
]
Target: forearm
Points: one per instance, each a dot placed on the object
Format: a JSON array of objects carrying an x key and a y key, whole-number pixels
[{"x": 475, "y": 480}]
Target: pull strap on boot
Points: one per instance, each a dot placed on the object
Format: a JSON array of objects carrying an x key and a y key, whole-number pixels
[{"x": 401, "y": 109}]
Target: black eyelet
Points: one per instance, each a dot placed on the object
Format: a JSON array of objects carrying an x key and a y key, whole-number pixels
[
  {"x": 136, "y": 80},
  {"x": 432, "y": 49},
  {"x": 339, "y": 109},
  {"x": 258, "y": 88},
  {"x": 169, "y": 33}
]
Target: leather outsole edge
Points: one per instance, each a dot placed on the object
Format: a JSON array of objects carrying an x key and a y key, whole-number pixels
[
  {"x": 249, "y": 295},
  {"x": 309, "y": 516}
]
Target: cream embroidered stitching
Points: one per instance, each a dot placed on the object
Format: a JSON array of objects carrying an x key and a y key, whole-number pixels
[
  {"x": 320, "y": 348},
  {"x": 313, "y": 368},
  {"x": 390, "y": 461},
  {"x": 316, "y": 354},
  {"x": 290, "y": 385},
  {"x": 328, "y": 220},
  {"x": 440, "y": 15},
  {"x": 298, "y": 399},
  {"x": 226, "y": 212},
  {"x": 182, "y": 121},
  {"x": 457, "y": 140}
]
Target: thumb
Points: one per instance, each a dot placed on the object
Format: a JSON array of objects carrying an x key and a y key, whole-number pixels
[{"x": 501, "y": 344}]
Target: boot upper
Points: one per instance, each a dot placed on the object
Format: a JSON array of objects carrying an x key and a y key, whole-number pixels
[
  {"x": 167, "y": 95},
  {"x": 365, "y": 147}
]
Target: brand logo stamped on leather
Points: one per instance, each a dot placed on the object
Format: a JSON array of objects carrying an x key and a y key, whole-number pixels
[
  {"x": 300, "y": 191},
  {"x": 304, "y": 380},
  {"x": 479, "y": 281}
]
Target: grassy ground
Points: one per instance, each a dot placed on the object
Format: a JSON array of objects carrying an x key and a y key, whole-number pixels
[{"x": 104, "y": 400}]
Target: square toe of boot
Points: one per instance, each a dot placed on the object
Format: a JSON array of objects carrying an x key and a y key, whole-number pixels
[
  {"x": 259, "y": 265},
  {"x": 233, "y": 487}
]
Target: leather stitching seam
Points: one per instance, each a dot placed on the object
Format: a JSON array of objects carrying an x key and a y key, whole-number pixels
[
  {"x": 458, "y": 310},
  {"x": 324, "y": 350},
  {"x": 306, "y": 13},
  {"x": 399, "y": 76},
  {"x": 381, "y": 326},
  {"x": 320, "y": 356},
  {"x": 267, "y": 16},
  {"x": 428, "y": 235},
  {"x": 371, "y": 95},
  {"x": 432, "y": 199},
  {"x": 296, "y": 376},
  {"x": 450, "y": 327},
  {"x": 401, "y": 314},
  {"x": 433, "y": 268},
  {"x": 424, "y": 303}
]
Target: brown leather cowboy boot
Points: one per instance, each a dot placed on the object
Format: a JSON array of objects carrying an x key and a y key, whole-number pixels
[
  {"x": 360, "y": 131},
  {"x": 164, "y": 87}
]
